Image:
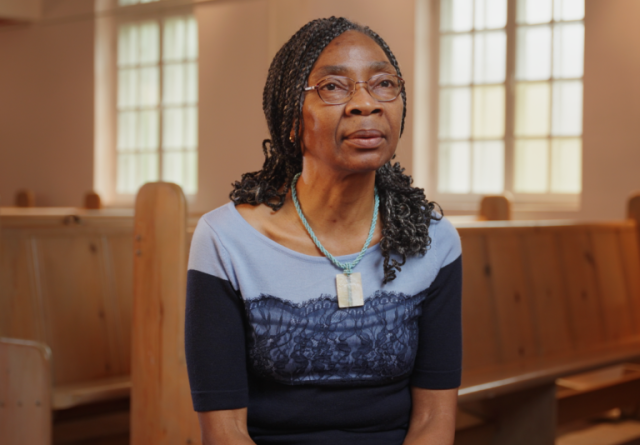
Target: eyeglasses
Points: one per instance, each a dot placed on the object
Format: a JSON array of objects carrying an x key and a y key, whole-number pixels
[{"x": 336, "y": 90}]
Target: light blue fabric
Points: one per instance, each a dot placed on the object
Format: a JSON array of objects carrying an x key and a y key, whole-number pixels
[{"x": 225, "y": 245}]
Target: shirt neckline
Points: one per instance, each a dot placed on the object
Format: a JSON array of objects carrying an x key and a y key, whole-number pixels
[{"x": 266, "y": 240}]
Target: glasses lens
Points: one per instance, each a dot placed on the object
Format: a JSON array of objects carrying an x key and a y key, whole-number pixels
[
  {"x": 335, "y": 90},
  {"x": 385, "y": 87}
]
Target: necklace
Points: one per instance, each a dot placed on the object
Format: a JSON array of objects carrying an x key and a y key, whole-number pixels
[{"x": 348, "y": 283}]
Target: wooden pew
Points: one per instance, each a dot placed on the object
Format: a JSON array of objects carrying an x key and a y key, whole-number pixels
[
  {"x": 25, "y": 393},
  {"x": 161, "y": 408},
  {"x": 66, "y": 282},
  {"x": 494, "y": 208},
  {"x": 542, "y": 300}
]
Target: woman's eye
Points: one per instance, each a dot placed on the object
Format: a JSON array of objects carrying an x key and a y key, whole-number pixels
[{"x": 329, "y": 87}]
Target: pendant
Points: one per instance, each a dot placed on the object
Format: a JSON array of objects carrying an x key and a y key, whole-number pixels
[{"x": 349, "y": 290}]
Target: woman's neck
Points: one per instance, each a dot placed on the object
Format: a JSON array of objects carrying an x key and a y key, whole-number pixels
[{"x": 336, "y": 201}]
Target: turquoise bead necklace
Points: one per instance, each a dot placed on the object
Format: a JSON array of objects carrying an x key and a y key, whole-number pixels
[{"x": 349, "y": 284}]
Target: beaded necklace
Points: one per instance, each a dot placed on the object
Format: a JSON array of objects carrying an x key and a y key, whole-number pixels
[{"x": 348, "y": 283}]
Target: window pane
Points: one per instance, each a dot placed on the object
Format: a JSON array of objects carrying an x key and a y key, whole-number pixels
[
  {"x": 568, "y": 10},
  {"x": 533, "y": 60},
  {"x": 456, "y": 15},
  {"x": 534, "y": 11},
  {"x": 126, "y": 173},
  {"x": 454, "y": 167},
  {"x": 566, "y": 165},
  {"x": 532, "y": 109},
  {"x": 490, "y": 57},
  {"x": 455, "y": 60},
  {"x": 149, "y": 87},
  {"x": 127, "y": 45},
  {"x": 174, "y": 84},
  {"x": 191, "y": 70},
  {"x": 127, "y": 124},
  {"x": 568, "y": 50},
  {"x": 148, "y": 130},
  {"x": 191, "y": 127},
  {"x": 173, "y": 167},
  {"x": 488, "y": 112},
  {"x": 532, "y": 164},
  {"x": 175, "y": 34},
  {"x": 567, "y": 108},
  {"x": 173, "y": 131},
  {"x": 491, "y": 14},
  {"x": 147, "y": 169},
  {"x": 127, "y": 88},
  {"x": 455, "y": 113},
  {"x": 192, "y": 38},
  {"x": 149, "y": 42},
  {"x": 488, "y": 167},
  {"x": 191, "y": 172}
]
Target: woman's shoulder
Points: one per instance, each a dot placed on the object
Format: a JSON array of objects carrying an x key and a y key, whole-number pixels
[{"x": 445, "y": 239}]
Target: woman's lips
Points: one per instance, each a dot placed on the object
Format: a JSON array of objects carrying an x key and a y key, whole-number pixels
[{"x": 365, "y": 138}]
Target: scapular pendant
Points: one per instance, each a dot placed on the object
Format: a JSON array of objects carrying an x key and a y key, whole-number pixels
[{"x": 349, "y": 290}]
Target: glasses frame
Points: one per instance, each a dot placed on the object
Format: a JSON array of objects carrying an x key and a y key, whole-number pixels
[{"x": 353, "y": 90}]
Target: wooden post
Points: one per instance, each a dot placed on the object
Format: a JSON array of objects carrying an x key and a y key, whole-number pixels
[
  {"x": 92, "y": 201},
  {"x": 25, "y": 198},
  {"x": 161, "y": 408},
  {"x": 25, "y": 392},
  {"x": 495, "y": 208},
  {"x": 633, "y": 211}
]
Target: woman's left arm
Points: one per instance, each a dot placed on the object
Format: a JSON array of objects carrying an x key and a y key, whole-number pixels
[{"x": 433, "y": 416}]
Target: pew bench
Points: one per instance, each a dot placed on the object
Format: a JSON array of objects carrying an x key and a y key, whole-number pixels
[
  {"x": 66, "y": 284},
  {"x": 544, "y": 300}
]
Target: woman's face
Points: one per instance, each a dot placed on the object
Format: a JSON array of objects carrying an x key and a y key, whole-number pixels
[{"x": 362, "y": 134}]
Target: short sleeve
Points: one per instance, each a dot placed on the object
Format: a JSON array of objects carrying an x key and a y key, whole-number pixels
[
  {"x": 214, "y": 327},
  {"x": 438, "y": 362}
]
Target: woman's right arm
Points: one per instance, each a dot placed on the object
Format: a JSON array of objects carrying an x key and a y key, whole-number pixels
[{"x": 225, "y": 427}]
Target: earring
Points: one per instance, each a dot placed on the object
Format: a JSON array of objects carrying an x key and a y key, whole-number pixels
[{"x": 291, "y": 138}]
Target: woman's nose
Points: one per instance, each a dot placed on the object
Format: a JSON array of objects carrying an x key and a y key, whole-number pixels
[{"x": 362, "y": 103}]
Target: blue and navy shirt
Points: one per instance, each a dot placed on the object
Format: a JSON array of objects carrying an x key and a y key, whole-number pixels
[{"x": 264, "y": 331}]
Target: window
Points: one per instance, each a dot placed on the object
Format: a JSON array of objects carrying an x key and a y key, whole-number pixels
[
  {"x": 157, "y": 103},
  {"x": 510, "y": 98}
]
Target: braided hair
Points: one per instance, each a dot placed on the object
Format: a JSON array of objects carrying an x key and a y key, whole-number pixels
[{"x": 405, "y": 212}]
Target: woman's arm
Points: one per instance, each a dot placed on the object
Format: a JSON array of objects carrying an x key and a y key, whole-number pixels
[
  {"x": 225, "y": 427},
  {"x": 433, "y": 417}
]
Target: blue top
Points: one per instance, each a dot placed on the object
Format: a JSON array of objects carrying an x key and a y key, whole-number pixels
[{"x": 264, "y": 331}]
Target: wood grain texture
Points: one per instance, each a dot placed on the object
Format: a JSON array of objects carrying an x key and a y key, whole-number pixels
[
  {"x": 25, "y": 393},
  {"x": 66, "y": 281},
  {"x": 161, "y": 410}
]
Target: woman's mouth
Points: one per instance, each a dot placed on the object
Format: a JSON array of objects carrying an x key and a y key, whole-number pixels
[{"x": 365, "y": 138}]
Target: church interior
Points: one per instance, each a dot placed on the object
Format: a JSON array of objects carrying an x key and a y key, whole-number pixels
[{"x": 124, "y": 121}]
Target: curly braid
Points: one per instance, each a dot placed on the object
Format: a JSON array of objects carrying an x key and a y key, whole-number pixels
[{"x": 406, "y": 213}]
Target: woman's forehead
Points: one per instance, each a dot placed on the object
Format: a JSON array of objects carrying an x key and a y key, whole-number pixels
[{"x": 351, "y": 51}]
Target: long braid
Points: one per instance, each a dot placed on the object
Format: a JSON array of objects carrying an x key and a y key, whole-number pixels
[{"x": 406, "y": 213}]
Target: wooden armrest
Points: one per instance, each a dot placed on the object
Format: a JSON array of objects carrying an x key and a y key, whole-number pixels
[
  {"x": 491, "y": 382},
  {"x": 81, "y": 393},
  {"x": 25, "y": 392}
]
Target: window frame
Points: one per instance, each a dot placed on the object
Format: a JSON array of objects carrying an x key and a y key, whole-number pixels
[
  {"x": 429, "y": 14},
  {"x": 106, "y": 91}
]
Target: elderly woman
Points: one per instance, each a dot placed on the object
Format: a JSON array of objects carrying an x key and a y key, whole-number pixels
[{"x": 323, "y": 303}]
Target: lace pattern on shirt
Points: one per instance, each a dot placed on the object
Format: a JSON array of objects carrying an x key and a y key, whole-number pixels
[{"x": 317, "y": 342}]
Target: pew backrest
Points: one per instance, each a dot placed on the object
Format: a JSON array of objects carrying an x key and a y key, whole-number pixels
[
  {"x": 535, "y": 291},
  {"x": 66, "y": 281}
]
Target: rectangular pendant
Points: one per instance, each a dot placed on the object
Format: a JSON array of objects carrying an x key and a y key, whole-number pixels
[{"x": 349, "y": 290}]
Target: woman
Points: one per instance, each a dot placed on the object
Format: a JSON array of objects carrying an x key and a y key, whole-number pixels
[{"x": 315, "y": 314}]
